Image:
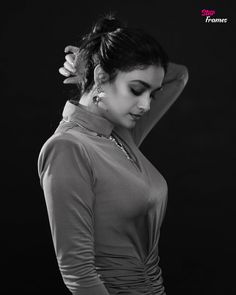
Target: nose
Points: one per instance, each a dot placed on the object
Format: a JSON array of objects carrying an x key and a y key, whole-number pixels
[{"x": 144, "y": 103}]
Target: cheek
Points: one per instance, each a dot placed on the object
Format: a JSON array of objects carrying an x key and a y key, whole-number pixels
[
  {"x": 125, "y": 98},
  {"x": 121, "y": 99},
  {"x": 124, "y": 103}
]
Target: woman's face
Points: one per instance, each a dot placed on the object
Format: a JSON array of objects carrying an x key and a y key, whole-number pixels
[{"x": 131, "y": 93}]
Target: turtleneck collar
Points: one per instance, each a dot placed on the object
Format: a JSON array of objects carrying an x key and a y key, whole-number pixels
[{"x": 78, "y": 113}]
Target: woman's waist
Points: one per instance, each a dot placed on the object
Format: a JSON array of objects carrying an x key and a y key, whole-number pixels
[
  {"x": 123, "y": 272},
  {"x": 126, "y": 266}
]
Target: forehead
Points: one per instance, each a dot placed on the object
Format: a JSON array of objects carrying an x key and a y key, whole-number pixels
[{"x": 153, "y": 75}]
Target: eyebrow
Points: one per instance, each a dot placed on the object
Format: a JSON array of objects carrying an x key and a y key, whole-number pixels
[{"x": 148, "y": 86}]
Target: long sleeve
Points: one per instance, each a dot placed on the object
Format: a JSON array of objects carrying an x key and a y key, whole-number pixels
[
  {"x": 67, "y": 181},
  {"x": 173, "y": 84}
]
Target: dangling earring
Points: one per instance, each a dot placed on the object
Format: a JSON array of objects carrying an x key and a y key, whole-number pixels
[{"x": 97, "y": 98}]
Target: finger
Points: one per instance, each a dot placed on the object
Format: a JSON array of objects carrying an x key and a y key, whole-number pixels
[
  {"x": 71, "y": 48},
  {"x": 70, "y": 58},
  {"x": 64, "y": 72},
  {"x": 69, "y": 67},
  {"x": 72, "y": 80}
]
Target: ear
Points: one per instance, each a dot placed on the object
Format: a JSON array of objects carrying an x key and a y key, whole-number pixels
[{"x": 100, "y": 76}]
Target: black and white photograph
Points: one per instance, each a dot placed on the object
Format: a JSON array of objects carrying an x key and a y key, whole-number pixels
[{"x": 119, "y": 148}]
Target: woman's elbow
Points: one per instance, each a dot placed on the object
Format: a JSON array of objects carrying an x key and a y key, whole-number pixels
[{"x": 184, "y": 75}]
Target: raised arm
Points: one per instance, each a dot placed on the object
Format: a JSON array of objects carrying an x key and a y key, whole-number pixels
[
  {"x": 173, "y": 84},
  {"x": 66, "y": 180}
]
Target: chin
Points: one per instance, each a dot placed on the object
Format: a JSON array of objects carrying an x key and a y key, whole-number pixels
[
  {"x": 128, "y": 124},
  {"x": 131, "y": 125}
]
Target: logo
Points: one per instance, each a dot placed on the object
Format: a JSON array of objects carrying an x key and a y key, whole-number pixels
[{"x": 209, "y": 19}]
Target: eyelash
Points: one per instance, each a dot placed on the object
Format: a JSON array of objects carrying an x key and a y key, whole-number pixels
[
  {"x": 139, "y": 93},
  {"x": 135, "y": 92}
]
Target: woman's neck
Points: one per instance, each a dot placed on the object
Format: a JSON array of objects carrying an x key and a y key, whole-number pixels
[{"x": 86, "y": 101}]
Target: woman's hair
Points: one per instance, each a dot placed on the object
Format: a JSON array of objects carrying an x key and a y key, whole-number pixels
[{"x": 116, "y": 47}]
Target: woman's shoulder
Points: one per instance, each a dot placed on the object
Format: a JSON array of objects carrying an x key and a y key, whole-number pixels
[
  {"x": 66, "y": 141},
  {"x": 67, "y": 134},
  {"x": 63, "y": 145},
  {"x": 62, "y": 150}
]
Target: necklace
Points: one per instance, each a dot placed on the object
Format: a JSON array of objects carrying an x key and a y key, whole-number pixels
[
  {"x": 120, "y": 145},
  {"x": 111, "y": 137}
]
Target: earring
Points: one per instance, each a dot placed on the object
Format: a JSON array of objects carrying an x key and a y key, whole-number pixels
[
  {"x": 99, "y": 89},
  {"x": 97, "y": 98}
]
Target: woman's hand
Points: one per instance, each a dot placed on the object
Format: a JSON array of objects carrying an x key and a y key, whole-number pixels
[{"x": 68, "y": 68}]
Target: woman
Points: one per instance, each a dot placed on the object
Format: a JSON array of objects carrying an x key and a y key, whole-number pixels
[{"x": 105, "y": 200}]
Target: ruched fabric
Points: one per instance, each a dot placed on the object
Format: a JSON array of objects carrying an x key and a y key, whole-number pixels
[{"x": 128, "y": 275}]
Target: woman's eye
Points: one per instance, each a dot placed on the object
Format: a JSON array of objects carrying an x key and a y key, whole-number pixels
[{"x": 137, "y": 93}]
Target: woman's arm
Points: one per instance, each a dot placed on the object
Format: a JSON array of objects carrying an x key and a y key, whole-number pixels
[
  {"x": 173, "y": 84},
  {"x": 67, "y": 181}
]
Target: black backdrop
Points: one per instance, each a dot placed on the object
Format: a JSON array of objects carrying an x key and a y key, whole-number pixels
[{"x": 193, "y": 145}]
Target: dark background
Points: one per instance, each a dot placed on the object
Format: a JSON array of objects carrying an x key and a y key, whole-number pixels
[{"x": 193, "y": 145}]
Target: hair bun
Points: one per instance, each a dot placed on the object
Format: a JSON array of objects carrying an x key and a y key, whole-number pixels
[{"x": 106, "y": 24}]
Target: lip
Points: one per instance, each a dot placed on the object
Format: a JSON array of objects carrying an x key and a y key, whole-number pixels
[{"x": 135, "y": 117}]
